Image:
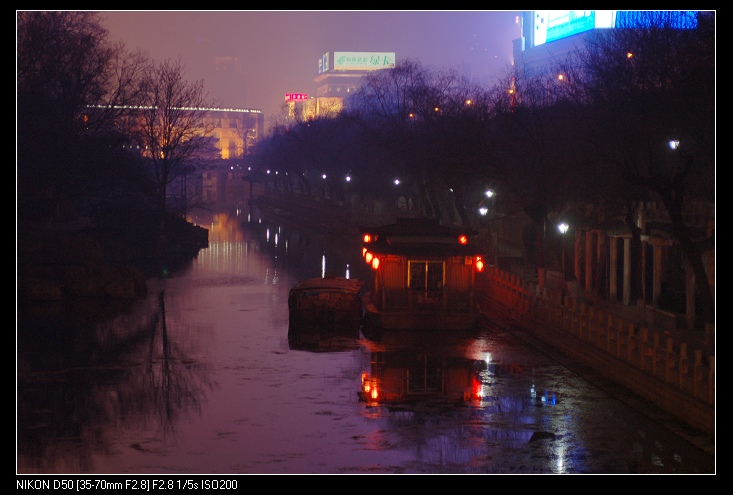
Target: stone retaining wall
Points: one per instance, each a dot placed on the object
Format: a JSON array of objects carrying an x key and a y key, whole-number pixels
[{"x": 677, "y": 375}]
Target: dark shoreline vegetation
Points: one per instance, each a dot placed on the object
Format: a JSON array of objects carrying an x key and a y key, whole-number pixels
[{"x": 110, "y": 256}]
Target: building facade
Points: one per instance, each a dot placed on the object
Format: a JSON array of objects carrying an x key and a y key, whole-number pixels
[
  {"x": 236, "y": 130},
  {"x": 340, "y": 74}
]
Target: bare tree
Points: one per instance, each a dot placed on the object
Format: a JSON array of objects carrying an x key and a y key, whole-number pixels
[
  {"x": 244, "y": 129},
  {"x": 421, "y": 120},
  {"x": 644, "y": 87},
  {"x": 531, "y": 146},
  {"x": 170, "y": 126},
  {"x": 73, "y": 87}
]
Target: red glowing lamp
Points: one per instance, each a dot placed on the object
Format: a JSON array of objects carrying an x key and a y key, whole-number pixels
[
  {"x": 479, "y": 264},
  {"x": 375, "y": 263}
]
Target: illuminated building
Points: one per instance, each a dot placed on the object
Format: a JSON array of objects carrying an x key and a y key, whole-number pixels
[
  {"x": 550, "y": 35},
  {"x": 236, "y": 130},
  {"x": 340, "y": 74}
]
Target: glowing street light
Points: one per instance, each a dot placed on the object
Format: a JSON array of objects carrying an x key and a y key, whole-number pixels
[
  {"x": 486, "y": 205},
  {"x": 563, "y": 228}
]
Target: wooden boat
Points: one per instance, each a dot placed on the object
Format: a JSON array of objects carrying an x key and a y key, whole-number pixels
[
  {"x": 422, "y": 277},
  {"x": 325, "y": 302}
]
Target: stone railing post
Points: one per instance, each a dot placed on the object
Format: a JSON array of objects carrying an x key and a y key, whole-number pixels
[
  {"x": 630, "y": 342},
  {"x": 669, "y": 359},
  {"x": 697, "y": 372},
  {"x": 684, "y": 365}
]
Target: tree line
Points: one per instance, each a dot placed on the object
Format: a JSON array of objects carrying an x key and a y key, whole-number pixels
[
  {"x": 99, "y": 126},
  {"x": 593, "y": 128}
]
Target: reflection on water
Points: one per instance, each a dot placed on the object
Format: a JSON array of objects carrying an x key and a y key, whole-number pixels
[
  {"x": 205, "y": 375},
  {"x": 409, "y": 370},
  {"x": 320, "y": 337},
  {"x": 450, "y": 394},
  {"x": 76, "y": 378}
]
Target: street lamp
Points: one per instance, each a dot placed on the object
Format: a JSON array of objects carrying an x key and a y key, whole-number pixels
[
  {"x": 560, "y": 78},
  {"x": 484, "y": 208},
  {"x": 563, "y": 228}
]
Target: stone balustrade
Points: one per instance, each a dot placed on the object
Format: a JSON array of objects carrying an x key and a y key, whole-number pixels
[{"x": 681, "y": 372}]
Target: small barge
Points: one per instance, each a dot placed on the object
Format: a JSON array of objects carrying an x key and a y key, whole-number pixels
[{"x": 329, "y": 301}]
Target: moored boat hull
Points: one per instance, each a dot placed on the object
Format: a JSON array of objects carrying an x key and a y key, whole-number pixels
[
  {"x": 407, "y": 320},
  {"x": 331, "y": 302}
]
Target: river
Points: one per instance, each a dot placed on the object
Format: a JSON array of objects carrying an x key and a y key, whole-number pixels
[{"x": 200, "y": 377}]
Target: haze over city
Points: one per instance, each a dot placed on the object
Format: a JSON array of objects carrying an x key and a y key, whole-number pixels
[{"x": 277, "y": 51}]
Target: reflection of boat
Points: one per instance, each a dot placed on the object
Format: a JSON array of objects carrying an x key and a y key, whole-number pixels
[
  {"x": 423, "y": 276},
  {"x": 314, "y": 337},
  {"x": 419, "y": 374},
  {"x": 325, "y": 302}
]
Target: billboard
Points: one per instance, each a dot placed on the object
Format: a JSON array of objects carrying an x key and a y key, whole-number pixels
[
  {"x": 363, "y": 60},
  {"x": 551, "y": 25}
]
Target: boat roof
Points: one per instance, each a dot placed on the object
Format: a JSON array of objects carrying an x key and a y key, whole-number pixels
[
  {"x": 330, "y": 283},
  {"x": 409, "y": 227},
  {"x": 421, "y": 237}
]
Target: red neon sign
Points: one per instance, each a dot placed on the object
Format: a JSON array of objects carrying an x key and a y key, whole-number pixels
[{"x": 296, "y": 97}]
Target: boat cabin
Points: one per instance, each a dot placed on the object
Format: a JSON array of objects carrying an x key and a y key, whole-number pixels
[{"x": 423, "y": 275}]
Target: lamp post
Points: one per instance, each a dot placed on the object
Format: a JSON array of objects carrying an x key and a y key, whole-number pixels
[
  {"x": 563, "y": 228},
  {"x": 485, "y": 207}
]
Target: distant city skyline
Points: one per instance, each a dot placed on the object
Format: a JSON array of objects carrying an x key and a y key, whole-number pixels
[{"x": 251, "y": 59}]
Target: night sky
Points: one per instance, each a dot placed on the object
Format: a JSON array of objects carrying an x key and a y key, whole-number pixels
[{"x": 278, "y": 51}]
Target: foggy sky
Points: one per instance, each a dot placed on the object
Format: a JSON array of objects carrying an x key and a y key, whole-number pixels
[{"x": 278, "y": 51}]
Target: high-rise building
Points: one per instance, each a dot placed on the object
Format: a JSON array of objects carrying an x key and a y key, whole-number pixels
[
  {"x": 340, "y": 74},
  {"x": 550, "y": 35}
]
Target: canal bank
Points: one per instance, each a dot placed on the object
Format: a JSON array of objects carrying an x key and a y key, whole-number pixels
[
  {"x": 610, "y": 342},
  {"x": 629, "y": 363},
  {"x": 109, "y": 256}
]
